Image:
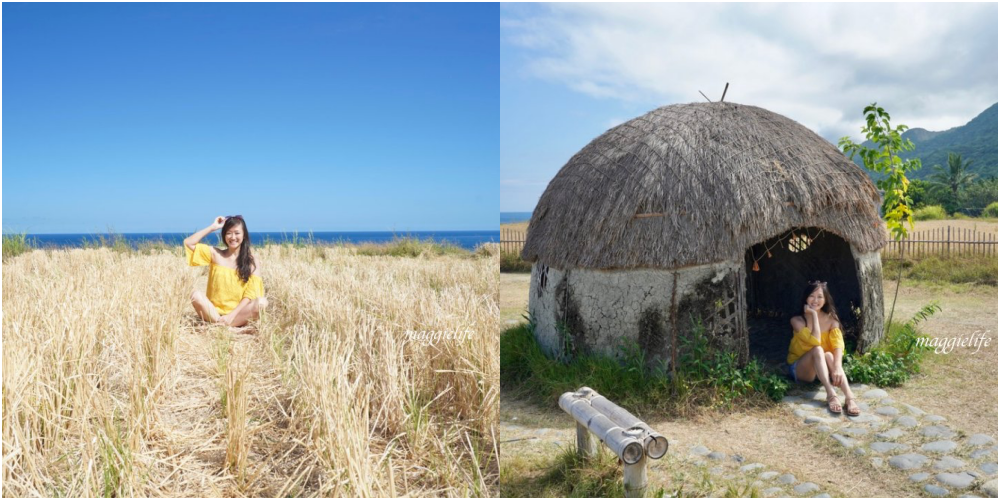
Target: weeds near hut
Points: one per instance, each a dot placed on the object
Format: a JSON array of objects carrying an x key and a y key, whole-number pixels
[
  {"x": 897, "y": 357},
  {"x": 706, "y": 376}
]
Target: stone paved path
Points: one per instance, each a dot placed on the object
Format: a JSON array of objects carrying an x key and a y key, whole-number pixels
[{"x": 903, "y": 439}]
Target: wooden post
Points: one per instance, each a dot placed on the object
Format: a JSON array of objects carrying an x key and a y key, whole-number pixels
[
  {"x": 635, "y": 479},
  {"x": 948, "y": 245},
  {"x": 586, "y": 447}
]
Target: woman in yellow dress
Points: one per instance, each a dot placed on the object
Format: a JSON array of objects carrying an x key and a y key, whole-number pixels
[
  {"x": 817, "y": 347},
  {"x": 235, "y": 291}
]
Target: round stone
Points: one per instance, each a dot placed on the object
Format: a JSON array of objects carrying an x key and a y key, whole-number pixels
[
  {"x": 888, "y": 411},
  {"x": 804, "y": 488},
  {"x": 854, "y": 431},
  {"x": 786, "y": 479},
  {"x": 943, "y": 446},
  {"x": 887, "y": 401},
  {"x": 937, "y": 431},
  {"x": 883, "y": 447},
  {"x": 893, "y": 433},
  {"x": 989, "y": 468},
  {"x": 908, "y": 461},
  {"x": 877, "y": 461},
  {"x": 738, "y": 458},
  {"x": 770, "y": 492},
  {"x": 875, "y": 394},
  {"x": 934, "y": 418},
  {"x": 948, "y": 463},
  {"x": 989, "y": 488},
  {"x": 818, "y": 420},
  {"x": 864, "y": 417},
  {"x": 843, "y": 440},
  {"x": 700, "y": 451},
  {"x": 799, "y": 412},
  {"x": 812, "y": 405},
  {"x": 825, "y": 428},
  {"x": 920, "y": 476},
  {"x": 979, "y": 439},
  {"x": 959, "y": 480},
  {"x": 906, "y": 421},
  {"x": 935, "y": 490},
  {"x": 860, "y": 451},
  {"x": 769, "y": 475},
  {"x": 717, "y": 455},
  {"x": 913, "y": 409},
  {"x": 822, "y": 495},
  {"x": 751, "y": 467},
  {"x": 980, "y": 454}
]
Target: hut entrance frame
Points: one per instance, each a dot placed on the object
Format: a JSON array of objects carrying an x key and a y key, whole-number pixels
[{"x": 778, "y": 269}]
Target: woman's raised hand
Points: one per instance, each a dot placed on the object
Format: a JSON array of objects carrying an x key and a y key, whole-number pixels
[
  {"x": 808, "y": 310},
  {"x": 218, "y": 223}
]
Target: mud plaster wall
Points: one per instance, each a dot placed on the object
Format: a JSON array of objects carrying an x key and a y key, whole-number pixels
[
  {"x": 599, "y": 308},
  {"x": 869, "y": 269}
]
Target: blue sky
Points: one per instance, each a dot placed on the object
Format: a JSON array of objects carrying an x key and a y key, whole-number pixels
[
  {"x": 569, "y": 72},
  {"x": 157, "y": 117}
]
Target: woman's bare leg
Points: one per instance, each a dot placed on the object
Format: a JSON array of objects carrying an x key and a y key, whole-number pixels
[
  {"x": 813, "y": 365},
  {"x": 204, "y": 307},
  {"x": 251, "y": 311}
]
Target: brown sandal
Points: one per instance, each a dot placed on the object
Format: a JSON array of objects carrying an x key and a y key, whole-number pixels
[
  {"x": 833, "y": 404},
  {"x": 852, "y": 407}
]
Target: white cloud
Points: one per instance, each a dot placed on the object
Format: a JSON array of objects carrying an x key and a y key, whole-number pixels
[{"x": 931, "y": 65}]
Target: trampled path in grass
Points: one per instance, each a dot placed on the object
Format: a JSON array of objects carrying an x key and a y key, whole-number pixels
[{"x": 224, "y": 419}]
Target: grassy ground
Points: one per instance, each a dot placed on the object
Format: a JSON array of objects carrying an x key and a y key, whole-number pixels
[
  {"x": 959, "y": 386},
  {"x": 112, "y": 387}
]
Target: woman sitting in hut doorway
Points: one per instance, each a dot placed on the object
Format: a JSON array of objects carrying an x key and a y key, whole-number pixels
[
  {"x": 235, "y": 291},
  {"x": 817, "y": 347}
]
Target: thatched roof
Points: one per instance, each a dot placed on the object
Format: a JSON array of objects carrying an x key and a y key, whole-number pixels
[{"x": 698, "y": 183}]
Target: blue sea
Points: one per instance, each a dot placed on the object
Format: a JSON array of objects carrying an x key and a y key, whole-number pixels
[
  {"x": 465, "y": 239},
  {"x": 509, "y": 217}
]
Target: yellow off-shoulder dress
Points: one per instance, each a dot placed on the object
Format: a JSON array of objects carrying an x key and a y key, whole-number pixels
[
  {"x": 225, "y": 289},
  {"x": 803, "y": 340}
]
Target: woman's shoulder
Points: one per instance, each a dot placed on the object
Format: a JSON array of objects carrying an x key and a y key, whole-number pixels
[{"x": 798, "y": 322}]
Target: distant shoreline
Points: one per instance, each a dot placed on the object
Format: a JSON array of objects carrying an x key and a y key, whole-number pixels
[{"x": 465, "y": 239}]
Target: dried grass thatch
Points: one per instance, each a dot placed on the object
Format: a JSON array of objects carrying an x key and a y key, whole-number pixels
[{"x": 697, "y": 183}]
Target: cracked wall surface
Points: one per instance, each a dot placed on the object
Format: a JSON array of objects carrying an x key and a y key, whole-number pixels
[{"x": 600, "y": 308}]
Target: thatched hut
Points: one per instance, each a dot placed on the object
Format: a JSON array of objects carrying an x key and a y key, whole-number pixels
[{"x": 717, "y": 213}]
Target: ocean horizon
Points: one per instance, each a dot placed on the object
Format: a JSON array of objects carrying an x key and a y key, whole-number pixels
[
  {"x": 468, "y": 240},
  {"x": 511, "y": 217}
]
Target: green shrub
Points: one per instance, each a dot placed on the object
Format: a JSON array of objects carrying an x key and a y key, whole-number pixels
[
  {"x": 958, "y": 269},
  {"x": 15, "y": 244},
  {"x": 512, "y": 263},
  {"x": 895, "y": 359},
  {"x": 933, "y": 212},
  {"x": 990, "y": 212},
  {"x": 706, "y": 376}
]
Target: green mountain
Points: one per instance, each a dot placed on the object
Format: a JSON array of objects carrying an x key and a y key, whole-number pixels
[{"x": 976, "y": 141}]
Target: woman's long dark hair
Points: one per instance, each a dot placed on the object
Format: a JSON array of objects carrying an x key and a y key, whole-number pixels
[
  {"x": 244, "y": 261},
  {"x": 828, "y": 306}
]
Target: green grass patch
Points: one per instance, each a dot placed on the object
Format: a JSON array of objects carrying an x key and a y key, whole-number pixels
[
  {"x": 897, "y": 357},
  {"x": 706, "y": 376},
  {"x": 566, "y": 475},
  {"x": 512, "y": 263},
  {"x": 15, "y": 244},
  {"x": 408, "y": 246},
  {"x": 990, "y": 212},
  {"x": 932, "y": 212},
  {"x": 936, "y": 269}
]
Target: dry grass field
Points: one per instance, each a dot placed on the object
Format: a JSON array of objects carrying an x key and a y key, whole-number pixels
[{"x": 111, "y": 387}]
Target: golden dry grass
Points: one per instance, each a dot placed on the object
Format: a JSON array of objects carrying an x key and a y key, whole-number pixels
[{"x": 112, "y": 387}]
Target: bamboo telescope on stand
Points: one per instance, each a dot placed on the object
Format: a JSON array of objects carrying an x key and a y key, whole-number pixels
[{"x": 624, "y": 434}]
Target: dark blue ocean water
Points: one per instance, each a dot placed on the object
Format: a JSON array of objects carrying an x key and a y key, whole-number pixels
[
  {"x": 508, "y": 217},
  {"x": 465, "y": 239}
]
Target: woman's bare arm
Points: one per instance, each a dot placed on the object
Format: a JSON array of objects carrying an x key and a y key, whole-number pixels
[{"x": 193, "y": 240}]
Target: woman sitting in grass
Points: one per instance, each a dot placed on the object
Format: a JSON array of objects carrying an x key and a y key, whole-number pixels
[
  {"x": 235, "y": 292},
  {"x": 817, "y": 347}
]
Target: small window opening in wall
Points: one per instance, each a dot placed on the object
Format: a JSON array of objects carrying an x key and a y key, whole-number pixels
[{"x": 798, "y": 243}]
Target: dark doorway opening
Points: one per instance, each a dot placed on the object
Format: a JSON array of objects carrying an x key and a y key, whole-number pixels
[{"x": 779, "y": 269}]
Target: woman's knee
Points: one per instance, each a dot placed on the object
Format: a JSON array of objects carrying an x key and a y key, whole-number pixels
[{"x": 197, "y": 296}]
